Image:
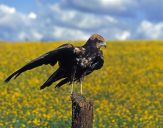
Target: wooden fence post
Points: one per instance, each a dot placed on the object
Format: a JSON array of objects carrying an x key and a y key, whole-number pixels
[{"x": 82, "y": 112}]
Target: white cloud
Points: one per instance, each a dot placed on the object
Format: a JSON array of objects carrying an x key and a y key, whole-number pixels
[
  {"x": 115, "y": 3},
  {"x": 79, "y": 19},
  {"x": 72, "y": 24},
  {"x": 22, "y": 36},
  {"x": 32, "y": 15},
  {"x": 7, "y": 10},
  {"x": 123, "y": 35},
  {"x": 60, "y": 24},
  {"x": 30, "y": 35},
  {"x": 102, "y": 6},
  {"x": 36, "y": 35},
  {"x": 151, "y": 30},
  {"x": 64, "y": 33},
  {"x": 15, "y": 25}
]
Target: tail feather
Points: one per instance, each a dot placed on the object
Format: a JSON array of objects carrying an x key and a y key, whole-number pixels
[
  {"x": 62, "y": 82},
  {"x": 54, "y": 77}
]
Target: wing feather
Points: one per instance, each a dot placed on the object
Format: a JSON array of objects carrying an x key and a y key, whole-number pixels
[
  {"x": 95, "y": 65},
  {"x": 47, "y": 58}
]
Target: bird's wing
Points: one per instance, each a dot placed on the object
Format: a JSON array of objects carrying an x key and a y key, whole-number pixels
[
  {"x": 96, "y": 64},
  {"x": 47, "y": 58}
]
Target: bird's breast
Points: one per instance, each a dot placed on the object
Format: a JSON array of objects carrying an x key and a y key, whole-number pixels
[{"x": 84, "y": 62}]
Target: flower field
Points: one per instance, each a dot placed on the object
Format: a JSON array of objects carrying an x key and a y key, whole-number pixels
[{"x": 127, "y": 92}]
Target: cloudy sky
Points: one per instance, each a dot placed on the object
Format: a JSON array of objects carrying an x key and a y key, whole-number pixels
[{"x": 48, "y": 20}]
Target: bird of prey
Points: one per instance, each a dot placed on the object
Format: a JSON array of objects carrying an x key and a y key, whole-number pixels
[{"x": 75, "y": 62}]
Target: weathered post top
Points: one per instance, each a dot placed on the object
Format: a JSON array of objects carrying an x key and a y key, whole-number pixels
[{"x": 82, "y": 112}]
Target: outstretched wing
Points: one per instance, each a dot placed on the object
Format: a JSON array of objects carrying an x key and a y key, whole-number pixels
[{"x": 47, "y": 58}]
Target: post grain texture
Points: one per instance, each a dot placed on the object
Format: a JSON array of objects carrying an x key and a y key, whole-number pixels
[{"x": 82, "y": 112}]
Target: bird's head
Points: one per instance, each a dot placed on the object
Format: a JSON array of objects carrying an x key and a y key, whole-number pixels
[{"x": 97, "y": 41}]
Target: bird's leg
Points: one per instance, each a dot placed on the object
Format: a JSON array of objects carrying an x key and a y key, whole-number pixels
[
  {"x": 81, "y": 85},
  {"x": 72, "y": 85},
  {"x": 72, "y": 78},
  {"x": 81, "y": 90}
]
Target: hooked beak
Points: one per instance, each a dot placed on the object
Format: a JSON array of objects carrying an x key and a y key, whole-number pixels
[{"x": 103, "y": 44}]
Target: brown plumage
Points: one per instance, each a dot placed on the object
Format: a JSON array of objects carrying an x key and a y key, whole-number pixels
[{"x": 74, "y": 62}]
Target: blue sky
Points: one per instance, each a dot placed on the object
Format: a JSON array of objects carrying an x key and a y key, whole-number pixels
[
  {"x": 48, "y": 20},
  {"x": 24, "y": 6}
]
